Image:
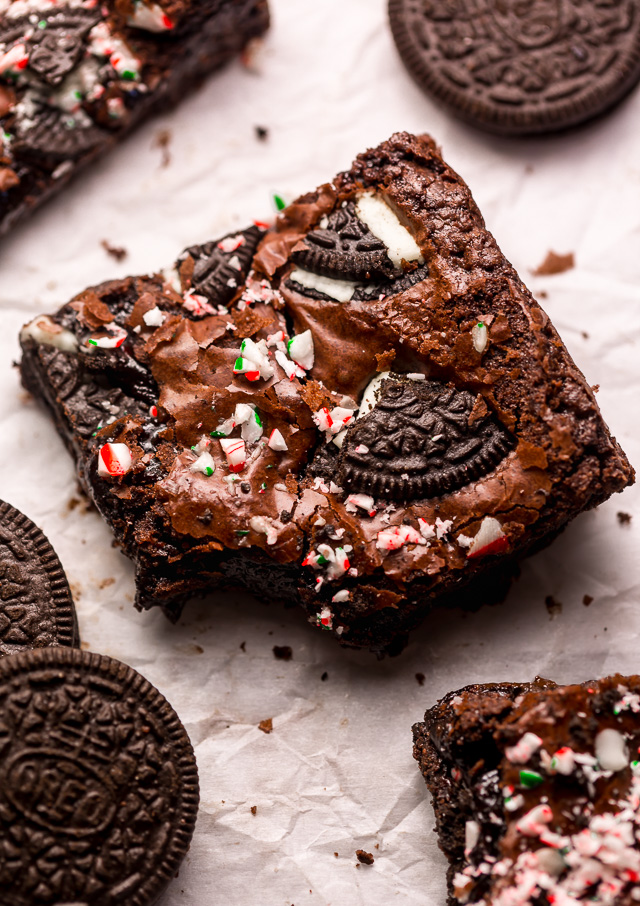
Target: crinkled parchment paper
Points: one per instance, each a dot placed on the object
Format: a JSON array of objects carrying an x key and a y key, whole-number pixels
[{"x": 336, "y": 773}]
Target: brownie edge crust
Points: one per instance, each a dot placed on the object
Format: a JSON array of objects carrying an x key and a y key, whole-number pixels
[
  {"x": 362, "y": 410},
  {"x": 536, "y": 791}
]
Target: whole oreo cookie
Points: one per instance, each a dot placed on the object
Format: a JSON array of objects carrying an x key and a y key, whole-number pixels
[
  {"x": 36, "y": 607},
  {"x": 98, "y": 783},
  {"x": 518, "y": 67},
  {"x": 344, "y": 247},
  {"x": 419, "y": 440}
]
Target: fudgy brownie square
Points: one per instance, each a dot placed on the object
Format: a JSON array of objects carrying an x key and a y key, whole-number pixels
[
  {"x": 363, "y": 410},
  {"x": 77, "y": 75},
  {"x": 536, "y": 790}
]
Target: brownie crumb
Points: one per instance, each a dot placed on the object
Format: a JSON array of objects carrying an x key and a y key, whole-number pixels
[
  {"x": 162, "y": 141},
  {"x": 555, "y": 264},
  {"x": 105, "y": 583},
  {"x": 254, "y": 809},
  {"x": 116, "y": 251},
  {"x": 266, "y": 725},
  {"x": 420, "y": 679},
  {"x": 543, "y": 294},
  {"x": 385, "y": 360},
  {"x": 282, "y": 652},
  {"x": 624, "y": 518},
  {"x": 324, "y": 677},
  {"x": 336, "y": 855},
  {"x": 262, "y": 133},
  {"x": 587, "y": 600},
  {"x": 243, "y": 646},
  {"x": 364, "y": 857},
  {"x": 553, "y": 607}
]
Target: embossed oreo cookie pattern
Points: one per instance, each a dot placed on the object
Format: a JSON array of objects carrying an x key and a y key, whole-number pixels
[
  {"x": 521, "y": 67},
  {"x": 98, "y": 782}
]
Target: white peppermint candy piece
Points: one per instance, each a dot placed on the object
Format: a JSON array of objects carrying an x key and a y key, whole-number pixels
[
  {"x": 204, "y": 463},
  {"x": 479, "y": 337},
  {"x": 154, "y": 317},
  {"x": 231, "y": 243},
  {"x": 340, "y": 596},
  {"x": 265, "y": 526},
  {"x": 490, "y": 539},
  {"x": 46, "y": 332},
  {"x": 235, "y": 451},
  {"x": 276, "y": 441},
  {"x": 301, "y": 350},
  {"x": 523, "y": 750},
  {"x": 149, "y": 17},
  {"x": 611, "y": 750},
  {"x": 113, "y": 460},
  {"x": 361, "y": 501},
  {"x": 391, "y": 539}
]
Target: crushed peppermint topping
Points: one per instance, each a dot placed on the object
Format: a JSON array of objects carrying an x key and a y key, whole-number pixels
[
  {"x": 231, "y": 243},
  {"x": 354, "y": 502},
  {"x": 114, "y": 460},
  {"x": 154, "y": 317},
  {"x": 236, "y": 454},
  {"x": 276, "y": 441},
  {"x": 523, "y": 750},
  {"x": 266, "y": 526},
  {"x": 204, "y": 463},
  {"x": 391, "y": 539},
  {"x": 490, "y": 539}
]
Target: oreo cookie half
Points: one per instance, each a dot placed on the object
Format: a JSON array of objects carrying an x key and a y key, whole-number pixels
[
  {"x": 36, "y": 607},
  {"x": 418, "y": 441},
  {"x": 519, "y": 68},
  {"x": 98, "y": 783}
]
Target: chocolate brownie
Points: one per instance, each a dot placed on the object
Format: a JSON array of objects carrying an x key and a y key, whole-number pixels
[
  {"x": 362, "y": 410},
  {"x": 519, "y": 68},
  {"x": 99, "y": 784},
  {"x": 536, "y": 790},
  {"x": 36, "y": 606},
  {"x": 77, "y": 75}
]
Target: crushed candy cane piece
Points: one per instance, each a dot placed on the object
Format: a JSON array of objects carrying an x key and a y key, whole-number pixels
[
  {"x": 15, "y": 58},
  {"x": 46, "y": 332},
  {"x": 149, "y": 17},
  {"x": 535, "y": 821},
  {"x": 112, "y": 342},
  {"x": 254, "y": 360},
  {"x": 443, "y": 527},
  {"x": 563, "y": 761},
  {"x": 265, "y": 526},
  {"x": 360, "y": 501},
  {"x": 301, "y": 350},
  {"x": 197, "y": 305},
  {"x": 276, "y": 441},
  {"x": 480, "y": 337},
  {"x": 231, "y": 243},
  {"x": 523, "y": 750},
  {"x": 427, "y": 530},
  {"x": 290, "y": 368},
  {"x": 334, "y": 421},
  {"x": 235, "y": 451},
  {"x": 155, "y": 317},
  {"x": 204, "y": 463},
  {"x": 325, "y": 618},
  {"x": 340, "y": 596},
  {"x": 611, "y": 750},
  {"x": 490, "y": 539},
  {"x": 113, "y": 460},
  {"x": 391, "y": 539}
]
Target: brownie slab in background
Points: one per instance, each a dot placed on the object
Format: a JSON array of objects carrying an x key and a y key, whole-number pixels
[
  {"x": 536, "y": 790},
  {"x": 520, "y": 68},
  {"x": 362, "y": 411},
  {"x": 76, "y": 76},
  {"x": 99, "y": 791},
  {"x": 36, "y": 606}
]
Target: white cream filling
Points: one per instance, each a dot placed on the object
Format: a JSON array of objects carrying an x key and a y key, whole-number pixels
[
  {"x": 384, "y": 224},
  {"x": 45, "y": 331},
  {"x": 340, "y": 290}
]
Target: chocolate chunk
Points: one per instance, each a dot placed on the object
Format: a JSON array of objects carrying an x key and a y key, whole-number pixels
[
  {"x": 417, "y": 442},
  {"x": 98, "y": 782},
  {"x": 217, "y": 269},
  {"x": 36, "y": 607},
  {"x": 345, "y": 249},
  {"x": 520, "y": 68}
]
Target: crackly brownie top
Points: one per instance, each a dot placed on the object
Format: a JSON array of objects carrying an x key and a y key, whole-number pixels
[
  {"x": 554, "y": 778},
  {"x": 71, "y": 73},
  {"x": 367, "y": 390}
]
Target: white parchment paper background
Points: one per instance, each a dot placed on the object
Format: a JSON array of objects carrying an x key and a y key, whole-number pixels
[{"x": 336, "y": 773}]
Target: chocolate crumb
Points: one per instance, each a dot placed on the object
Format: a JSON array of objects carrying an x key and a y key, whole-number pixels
[
  {"x": 254, "y": 809},
  {"x": 585, "y": 335},
  {"x": 336, "y": 855},
  {"x": 624, "y": 518},
  {"x": 282, "y": 652},
  {"x": 543, "y": 294},
  {"x": 115, "y": 251},
  {"x": 555, "y": 264},
  {"x": 420, "y": 678},
  {"x": 243, "y": 646},
  {"x": 162, "y": 141},
  {"x": 324, "y": 677},
  {"x": 554, "y": 607},
  {"x": 266, "y": 725},
  {"x": 364, "y": 857},
  {"x": 587, "y": 600},
  {"x": 262, "y": 133},
  {"x": 595, "y": 388}
]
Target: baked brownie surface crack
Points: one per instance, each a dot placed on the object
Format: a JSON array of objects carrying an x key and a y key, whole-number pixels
[
  {"x": 536, "y": 789},
  {"x": 76, "y": 76},
  {"x": 362, "y": 410}
]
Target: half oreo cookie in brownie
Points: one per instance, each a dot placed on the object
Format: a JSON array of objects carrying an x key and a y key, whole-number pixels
[
  {"x": 77, "y": 76},
  {"x": 363, "y": 411},
  {"x": 98, "y": 783},
  {"x": 536, "y": 790},
  {"x": 36, "y": 607}
]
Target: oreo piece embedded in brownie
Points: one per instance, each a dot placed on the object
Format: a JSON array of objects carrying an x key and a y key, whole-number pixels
[
  {"x": 520, "y": 68},
  {"x": 536, "y": 790},
  {"x": 76, "y": 76},
  {"x": 99, "y": 791},
  {"x": 36, "y": 606},
  {"x": 362, "y": 411}
]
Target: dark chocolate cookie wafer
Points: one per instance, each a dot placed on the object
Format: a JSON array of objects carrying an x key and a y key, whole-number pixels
[
  {"x": 36, "y": 607},
  {"x": 98, "y": 783},
  {"x": 521, "y": 67}
]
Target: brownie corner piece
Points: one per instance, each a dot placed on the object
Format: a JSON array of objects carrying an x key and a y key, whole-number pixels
[
  {"x": 536, "y": 791},
  {"x": 361, "y": 410},
  {"x": 76, "y": 76}
]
